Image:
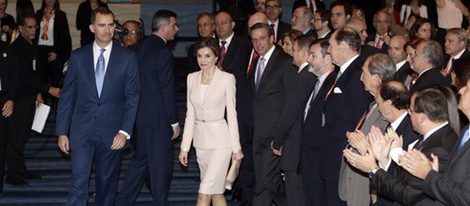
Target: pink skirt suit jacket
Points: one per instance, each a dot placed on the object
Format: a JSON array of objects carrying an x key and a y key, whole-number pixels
[{"x": 213, "y": 137}]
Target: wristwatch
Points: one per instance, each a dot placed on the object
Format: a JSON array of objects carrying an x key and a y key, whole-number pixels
[{"x": 372, "y": 173}]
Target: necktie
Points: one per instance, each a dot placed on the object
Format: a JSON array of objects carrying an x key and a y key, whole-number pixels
[
  {"x": 414, "y": 77},
  {"x": 419, "y": 143},
  {"x": 260, "y": 71},
  {"x": 378, "y": 44},
  {"x": 463, "y": 140},
  {"x": 310, "y": 101},
  {"x": 448, "y": 69},
  {"x": 254, "y": 57},
  {"x": 99, "y": 72},
  {"x": 272, "y": 31},
  {"x": 365, "y": 115},
  {"x": 223, "y": 50}
]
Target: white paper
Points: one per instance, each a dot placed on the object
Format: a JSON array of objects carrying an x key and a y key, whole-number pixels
[{"x": 40, "y": 117}]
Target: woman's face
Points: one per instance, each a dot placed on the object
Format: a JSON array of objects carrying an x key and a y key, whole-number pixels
[
  {"x": 206, "y": 59},
  {"x": 424, "y": 32},
  {"x": 50, "y": 3},
  {"x": 287, "y": 46}
]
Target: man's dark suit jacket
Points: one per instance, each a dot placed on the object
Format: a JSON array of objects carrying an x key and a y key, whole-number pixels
[
  {"x": 81, "y": 114},
  {"x": 385, "y": 46},
  {"x": 402, "y": 187},
  {"x": 290, "y": 120},
  {"x": 269, "y": 98},
  {"x": 428, "y": 78},
  {"x": 451, "y": 187},
  {"x": 8, "y": 75},
  {"x": 313, "y": 138},
  {"x": 404, "y": 72},
  {"x": 343, "y": 110},
  {"x": 62, "y": 40},
  {"x": 157, "y": 105},
  {"x": 282, "y": 28},
  {"x": 405, "y": 129}
]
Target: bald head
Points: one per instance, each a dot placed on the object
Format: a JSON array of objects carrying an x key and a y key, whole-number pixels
[
  {"x": 358, "y": 25},
  {"x": 396, "y": 48},
  {"x": 258, "y": 17}
]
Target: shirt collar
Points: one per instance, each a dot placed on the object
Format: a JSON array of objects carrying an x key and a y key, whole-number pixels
[
  {"x": 398, "y": 121},
  {"x": 400, "y": 64},
  {"x": 302, "y": 66},
  {"x": 268, "y": 54},
  {"x": 97, "y": 49},
  {"x": 164, "y": 40},
  {"x": 343, "y": 67},
  {"x": 459, "y": 54},
  {"x": 430, "y": 132},
  {"x": 227, "y": 40}
]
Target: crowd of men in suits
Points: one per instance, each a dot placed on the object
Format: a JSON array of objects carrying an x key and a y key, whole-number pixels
[{"x": 328, "y": 125}]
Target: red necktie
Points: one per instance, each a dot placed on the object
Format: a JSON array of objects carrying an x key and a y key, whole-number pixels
[
  {"x": 254, "y": 57},
  {"x": 223, "y": 50}
]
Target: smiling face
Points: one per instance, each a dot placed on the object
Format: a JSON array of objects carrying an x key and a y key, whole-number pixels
[
  {"x": 205, "y": 26},
  {"x": 206, "y": 58},
  {"x": 261, "y": 40}
]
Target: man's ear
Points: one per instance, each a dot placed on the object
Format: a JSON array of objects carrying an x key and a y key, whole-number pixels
[{"x": 92, "y": 29}]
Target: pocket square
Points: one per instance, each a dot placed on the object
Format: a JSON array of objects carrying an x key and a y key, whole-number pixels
[{"x": 337, "y": 90}]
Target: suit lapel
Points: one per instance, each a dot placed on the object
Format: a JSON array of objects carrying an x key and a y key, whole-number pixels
[
  {"x": 269, "y": 64},
  {"x": 462, "y": 151},
  {"x": 113, "y": 63},
  {"x": 90, "y": 68}
]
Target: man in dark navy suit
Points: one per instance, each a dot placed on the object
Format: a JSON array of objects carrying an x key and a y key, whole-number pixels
[
  {"x": 157, "y": 121},
  {"x": 96, "y": 111},
  {"x": 273, "y": 12}
]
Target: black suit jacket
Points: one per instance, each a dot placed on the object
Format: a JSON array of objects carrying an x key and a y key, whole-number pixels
[
  {"x": 290, "y": 120},
  {"x": 269, "y": 98},
  {"x": 344, "y": 107},
  {"x": 157, "y": 105},
  {"x": 405, "y": 189},
  {"x": 428, "y": 78},
  {"x": 405, "y": 129},
  {"x": 8, "y": 75},
  {"x": 282, "y": 28},
  {"x": 403, "y": 72},
  {"x": 451, "y": 187},
  {"x": 313, "y": 139},
  {"x": 62, "y": 40},
  {"x": 21, "y": 55}
]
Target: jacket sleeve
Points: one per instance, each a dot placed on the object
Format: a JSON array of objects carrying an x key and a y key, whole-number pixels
[
  {"x": 448, "y": 191},
  {"x": 67, "y": 99},
  {"x": 132, "y": 95},
  {"x": 232, "y": 114},
  {"x": 166, "y": 77},
  {"x": 188, "y": 131}
]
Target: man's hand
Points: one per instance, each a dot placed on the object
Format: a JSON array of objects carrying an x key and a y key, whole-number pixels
[
  {"x": 275, "y": 151},
  {"x": 358, "y": 140},
  {"x": 183, "y": 157},
  {"x": 51, "y": 56},
  {"x": 63, "y": 143},
  {"x": 176, "y": 131},
  {"x": 365, "y": 163},
  {"x": 417, "y": 164},
  {"x": 380, "y": 144},
  {"x": 39, "y": 99},
  {"x": 7, "y": 108},
  {"x": 54, "y": 91},
  {"x": 119, "y": 141}
]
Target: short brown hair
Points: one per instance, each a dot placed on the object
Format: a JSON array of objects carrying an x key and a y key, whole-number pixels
[{"x": 208, "y": 42}]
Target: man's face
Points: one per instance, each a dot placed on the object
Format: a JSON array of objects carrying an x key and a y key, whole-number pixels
[
  {"x": 298, "y": 20},
  {"x": 396, "y": 50},
  {"x": 3, "y": 6},
  {"x": 261, "y": 40},
  {"x": 273, "y": 10},
  {"x": 28, "y": 30},
  {"x": 103, "y": 28},
  {"x": 316, "y": 22},
  {"x": 223, "y": 25},
  {"x": 419, "y": 61},
  {"x": 335, "y": 50},
  {"x": 205, "y": 27},
  {"x": 384, "y": 107},
  {"x": 259, "y": 5},
  {"x": 361, "y": 28},
  {"x": 132, "y": 37},
  {"x": 453, "y": 45},
  {"x": 371, "y": 81},
  {"x": 382, "y": 23},
  {"x": 171, "y": 28},
  {"x": 338, "y": 17},
  {"x": 300, "y": 55},
  {"x": 316, "y": 60}
]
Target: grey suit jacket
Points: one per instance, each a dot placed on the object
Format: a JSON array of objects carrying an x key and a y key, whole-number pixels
[{"x": 354, "y": 184}]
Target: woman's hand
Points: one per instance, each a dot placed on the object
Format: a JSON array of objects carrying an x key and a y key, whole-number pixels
[
  {"x": 237, "y": 156},
  {"x": 183, "y": 157}
]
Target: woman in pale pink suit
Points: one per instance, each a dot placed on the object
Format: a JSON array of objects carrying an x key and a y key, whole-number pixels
[{"x": 211, "y": 93}]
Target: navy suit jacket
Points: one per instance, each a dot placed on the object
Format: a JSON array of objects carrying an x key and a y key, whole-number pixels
[
  {"x": 82, "y": 114},
  {"x": 429, "y": 78},
  {"x": 343, "y": 111},
  {"x": 157, "y": 106}
]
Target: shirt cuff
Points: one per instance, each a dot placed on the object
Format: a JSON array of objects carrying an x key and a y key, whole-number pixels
[
  {"x": 386, "y": 166},
  {"x": 128, "y": 137},
  {"x": 175, "y": 124},
  {"x": 395, "y": 153}
]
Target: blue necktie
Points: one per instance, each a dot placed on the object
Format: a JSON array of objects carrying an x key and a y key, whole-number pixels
[
  {"x": 260, "y": 71},
  {"x": 463, "y": 140},
  {"x": 99, "y": 72}
]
